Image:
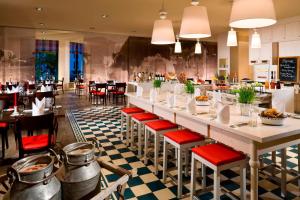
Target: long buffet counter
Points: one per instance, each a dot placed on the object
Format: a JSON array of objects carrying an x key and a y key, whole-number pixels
[{"x": 254, "y": 141}]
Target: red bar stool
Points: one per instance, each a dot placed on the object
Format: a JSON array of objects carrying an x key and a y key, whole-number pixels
[
  {"x": 126, "y": 113},
  {"x": 218, "y": 157},
  {"x": 183, "y": 141},
  {"x": 157, "y": 128},
  {"x": 140, "y": 119},
  {"x": 4, "y": 137}
]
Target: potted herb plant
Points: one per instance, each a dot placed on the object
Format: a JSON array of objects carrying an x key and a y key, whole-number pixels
[
  {"x": 154, "y": 92},
  {"x": 246, "y": 96},
  {"x": 190, "y": 103}
]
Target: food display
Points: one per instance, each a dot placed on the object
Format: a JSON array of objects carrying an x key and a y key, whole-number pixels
[
  {"x": 272, "y": 117},
  {"x": 272, "y": 113},
  {"x": 202, "y": 98},
  {"x": 32, "y": 168}
]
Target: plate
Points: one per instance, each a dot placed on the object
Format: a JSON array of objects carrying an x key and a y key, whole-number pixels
[
  {"x": 296, "y": 116},
  {"x": 202, "y": 103}
]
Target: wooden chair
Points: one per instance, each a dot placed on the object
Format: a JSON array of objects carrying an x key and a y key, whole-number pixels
[
  {"x": 91, "y": 90},
  {"x": 9, "y": 100},
  {"x": 111, "y": 87},
  {"x": 39, "y": 142},
  {"x": 100, "y": 92},
  {"x": 80, "y": 87},
  {"x": 60, "y": 84},
  {"x": 41, "y": 95},
  {"x": 3, "y": 131},
  {"x": 119, "y": 92}
]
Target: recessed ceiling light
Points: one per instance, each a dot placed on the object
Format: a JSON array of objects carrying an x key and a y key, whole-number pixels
[
  {"x": 42, "y": 24},
  {"x": 39, "y": 9},
  {"x": 104, "y": 16}
]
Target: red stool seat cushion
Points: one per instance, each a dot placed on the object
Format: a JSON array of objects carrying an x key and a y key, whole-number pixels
[
  {"x": 3, "y": 125},
  {"x": 218, "y": 154},
  {"x": 160, "y": 125},
  {"x": 132, "y": 110},
  {"x": 98, "y": 93},
  {"x": 118, "y": 92},
  {"x": 81, "y": 86},
  {"x": 144, "y": 116},
  {"x": 35, "y": 142},
  {"x": 184, "y": 136}
]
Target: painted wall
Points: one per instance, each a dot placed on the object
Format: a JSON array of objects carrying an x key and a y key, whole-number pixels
[{"x": 107, "y": 56}]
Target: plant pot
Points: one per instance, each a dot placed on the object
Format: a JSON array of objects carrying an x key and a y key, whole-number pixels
[{"x": 245, "y": 109}]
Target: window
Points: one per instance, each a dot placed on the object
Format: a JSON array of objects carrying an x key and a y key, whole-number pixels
[
  {"x": 46, "y": 59},
  {"x": 76, "y": 61}
]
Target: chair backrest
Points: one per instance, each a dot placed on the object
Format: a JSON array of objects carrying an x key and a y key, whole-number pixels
[
  {"x": 91, "y": 82},
  {"x": 121, "y": 87},
  {"x": 101, "y": 87},
  {"x": 110, "y": 82},
  {"x": 9, "y": 99},
  {"x": 41, "y": 95}
]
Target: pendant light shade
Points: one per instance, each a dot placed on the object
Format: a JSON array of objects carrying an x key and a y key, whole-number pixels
[
  {"x": 252, "y": 14},
  {"x": 255, "y": 41},
  {"x": 198, "y": 49},
  {"x": 231, "y": 38},
  {"x": 195, "y": 22},
  {"x": 163, "y": 32},
  {"x": 177, "y": 46}
]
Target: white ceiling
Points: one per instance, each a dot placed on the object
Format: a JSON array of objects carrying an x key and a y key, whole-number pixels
[{"x": 129, "y": 17}]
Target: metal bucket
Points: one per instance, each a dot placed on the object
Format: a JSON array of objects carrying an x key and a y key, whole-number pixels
[
  {"x": 33, "y": 178},
  {"x": 80, "y": 176}
]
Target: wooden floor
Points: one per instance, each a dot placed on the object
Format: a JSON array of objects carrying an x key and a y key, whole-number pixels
[{"x": 65, "y": 134}]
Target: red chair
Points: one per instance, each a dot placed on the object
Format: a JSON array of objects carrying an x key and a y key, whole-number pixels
[
  {"x": 80, "y": 87},
  {"x": 183, "y": 141},
  {"x": 100, "y": 92},
  {"x": 218, "y": 157},
  {"x": 3, "y": 131},
  {"x": 39, "y": 142},
  {"x": 91, "y": 90},
  {"x": 111, "y": 87},
  {"x": 119, "y": 92}
]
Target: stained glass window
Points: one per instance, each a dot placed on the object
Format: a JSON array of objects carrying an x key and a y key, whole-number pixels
[
  {"x": 46, "y": 59},
  {"x": 76, "y": 60}
]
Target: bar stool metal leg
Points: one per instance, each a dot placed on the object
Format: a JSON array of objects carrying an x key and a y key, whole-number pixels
[
  {"x": 165, "y": 158},
  {"x": 127, "y": 130},
  {"x": 156, "y": 152},
  {"x": 193, "y": 176},
  {"x": 186, "y": 164},
  {"x": 146, "y": 147},
  {"x": 203, "y": 174},
  {"x": 179, "y": 173},
  {"x": 216, "y": 184},
  {"x": 139, "y": 140}
]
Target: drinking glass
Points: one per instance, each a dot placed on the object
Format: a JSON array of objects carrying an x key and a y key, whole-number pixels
[{"x": 254, "y": 111}]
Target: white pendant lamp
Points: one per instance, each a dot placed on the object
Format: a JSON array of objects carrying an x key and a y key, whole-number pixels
[
  {"x": 231, "y": 38},
  {"x": 195, "y": 23},
  {"x": 198, "y": 49},
  {"x": 177, "y": 46},
  {"x": 163, "y": 32},
  {"x": 255, "y": 41},
  {"x": 252, "y": 14}
]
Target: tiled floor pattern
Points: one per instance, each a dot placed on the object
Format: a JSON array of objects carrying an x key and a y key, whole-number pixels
[{"x": 104, "y": 124}]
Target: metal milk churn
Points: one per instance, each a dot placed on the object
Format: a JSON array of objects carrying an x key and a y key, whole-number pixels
[
  {"x": 33, "y": 177},
  {"x": 80, "y": 176}
]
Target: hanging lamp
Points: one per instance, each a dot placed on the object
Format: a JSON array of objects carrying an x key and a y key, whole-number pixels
[
  {"x": 252, "y": 14},
  {"x": 195, "y": 23},
  {"x": 255, "y": 41},
  {"x": 198, "y": 49},
  {"x": 163, "y": 32},
  {"x": 232, "y": 38},
  {"x": 177, "y": 45}
]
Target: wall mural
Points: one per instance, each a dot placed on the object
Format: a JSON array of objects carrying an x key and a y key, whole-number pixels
[{"x": 119, "y": 57}]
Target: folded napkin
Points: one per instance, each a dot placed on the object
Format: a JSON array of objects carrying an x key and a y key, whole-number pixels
[
  {"x": 13, "y": 90},
  {"x": 47, "y": 82},
  {"x": 43, "y": 88},
  {"x": 38, "y": 108},
  {"x": 48, "y": 88},
  {"x": 139, "y": 91},
  {"x": 191, "y": 105},
  {"x": 31, "y": 82},
  {"x": 223, "y": 113},
  {"x": 171, "y": 99},
  {"x": 153, "y": 95}
]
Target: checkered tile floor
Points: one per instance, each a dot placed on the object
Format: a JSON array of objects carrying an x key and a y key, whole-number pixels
[{"x": 104, "y": 124}]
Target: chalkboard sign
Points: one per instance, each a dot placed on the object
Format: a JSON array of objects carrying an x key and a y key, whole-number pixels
[{"x": 288, "y": 69}]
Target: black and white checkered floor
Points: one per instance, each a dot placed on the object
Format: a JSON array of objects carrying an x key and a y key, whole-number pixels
[{"x": 104, "y": 124}]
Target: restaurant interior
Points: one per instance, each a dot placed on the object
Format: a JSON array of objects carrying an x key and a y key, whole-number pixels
[{"x": 152, "y": 99}]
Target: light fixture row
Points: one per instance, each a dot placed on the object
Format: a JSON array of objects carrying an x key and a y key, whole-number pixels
[{"x": 250, "y": 14}]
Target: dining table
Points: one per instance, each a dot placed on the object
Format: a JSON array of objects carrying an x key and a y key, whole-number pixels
[{"x": 254, "y": 141}]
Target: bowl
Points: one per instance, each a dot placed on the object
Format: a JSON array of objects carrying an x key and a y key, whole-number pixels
[
  {"x": 202, "y": 103},
  {"x": 272, "y": 121}
]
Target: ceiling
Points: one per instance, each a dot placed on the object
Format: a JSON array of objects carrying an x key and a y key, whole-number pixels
[{"x": 128, "y": 17}]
